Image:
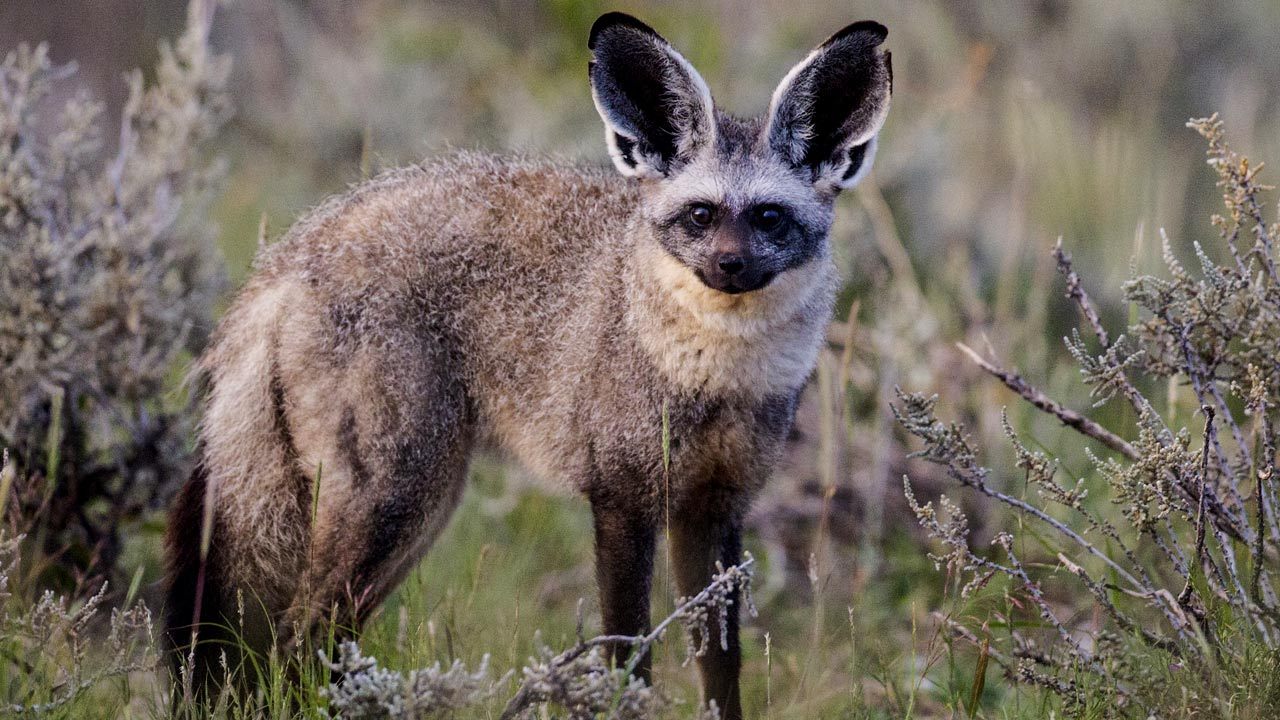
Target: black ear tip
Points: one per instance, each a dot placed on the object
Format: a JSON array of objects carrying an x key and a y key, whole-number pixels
[
  {"x": 868, "y": 29},
  {"x": 611, "y": 20}
]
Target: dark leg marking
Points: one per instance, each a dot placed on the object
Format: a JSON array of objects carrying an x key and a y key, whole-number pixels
[{"x": 349, "y": 445}]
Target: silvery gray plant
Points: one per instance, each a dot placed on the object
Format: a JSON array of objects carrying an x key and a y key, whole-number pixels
[
  {"x": 1177, "y": 555},
  {"x": 108, "y": 277}
]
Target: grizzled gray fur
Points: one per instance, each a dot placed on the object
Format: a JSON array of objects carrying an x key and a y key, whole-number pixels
[{"x": 552, "y": 311}]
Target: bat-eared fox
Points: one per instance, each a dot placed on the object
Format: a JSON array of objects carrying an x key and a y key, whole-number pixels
[{"x": 561, "y": 314}]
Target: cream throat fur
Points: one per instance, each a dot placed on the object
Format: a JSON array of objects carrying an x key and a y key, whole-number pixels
[{"x": 763, "y": 342}]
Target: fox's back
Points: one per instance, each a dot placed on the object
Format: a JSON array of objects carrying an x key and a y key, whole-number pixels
[
  {"x": 465, "y": 228},
  {"x": 499, "y": 265}
]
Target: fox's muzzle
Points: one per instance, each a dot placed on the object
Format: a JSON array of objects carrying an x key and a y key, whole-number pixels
[{"x": 734, "y": 273}]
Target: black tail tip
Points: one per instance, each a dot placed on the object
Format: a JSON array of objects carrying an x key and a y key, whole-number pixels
[{"x": 193, "y": 589}]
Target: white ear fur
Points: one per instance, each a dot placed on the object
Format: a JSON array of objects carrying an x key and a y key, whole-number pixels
[
  {"x": 850, "y": 72},
  {"x": 626, "y": 160},
  {"x": 850, "y": 178},
  {"x": 690, "y": 114},
  {"x": 794, "y": 139}
]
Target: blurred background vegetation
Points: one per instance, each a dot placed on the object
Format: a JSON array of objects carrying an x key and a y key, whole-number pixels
[{"x": 1013, "y": 124}]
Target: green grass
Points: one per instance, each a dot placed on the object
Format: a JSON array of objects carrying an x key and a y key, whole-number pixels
[
  {"x": 502, "y": 578},
  {"x": 511, "y": 570}
]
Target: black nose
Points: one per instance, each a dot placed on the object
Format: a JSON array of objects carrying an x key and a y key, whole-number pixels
[{"x": 731, "y": 264}]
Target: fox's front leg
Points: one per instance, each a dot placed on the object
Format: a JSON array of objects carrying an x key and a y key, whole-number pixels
[
  {"x": 624, "y": 570},
  {"x": 699, "y": 539}
]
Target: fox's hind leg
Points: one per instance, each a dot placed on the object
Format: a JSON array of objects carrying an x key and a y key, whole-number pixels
[{"x": 392, "y": 456}]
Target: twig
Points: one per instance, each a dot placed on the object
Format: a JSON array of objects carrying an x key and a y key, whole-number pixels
[
  {"x": 1070, "y": 418},
  {"x": 733, "y": 577},
  {"x": 1184, "y": 597},
  {"x": 1076, "y": 292}
]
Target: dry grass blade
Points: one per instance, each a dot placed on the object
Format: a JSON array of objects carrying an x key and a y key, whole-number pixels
[{"x": 979, "y": 677}]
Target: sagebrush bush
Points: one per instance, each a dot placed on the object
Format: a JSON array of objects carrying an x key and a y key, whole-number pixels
[
  {"x": 108, "y": 275},
  {"x": 367, "y": 691},
  {"x": 53, "y": 647},
  {"x": 1172, "y": 537},
  {"x": 581, "y": 680}
]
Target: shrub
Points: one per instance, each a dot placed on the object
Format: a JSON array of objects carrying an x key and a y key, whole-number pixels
[
  {"x": 107, "y": 277},
  {"x": 1172, "y": 536},
  {"x": 53, "y": 647},
  {"x": 581, "y": 680}
]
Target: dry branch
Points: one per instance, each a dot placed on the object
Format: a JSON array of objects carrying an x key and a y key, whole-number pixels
[
  {"x": 717, "y": 594},
  {"x": 1070, "y": 418},
  {"x": 1076, "y": 292}
]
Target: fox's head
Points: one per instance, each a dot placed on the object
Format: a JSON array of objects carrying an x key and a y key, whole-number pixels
[{"x": 739, "y": 202}]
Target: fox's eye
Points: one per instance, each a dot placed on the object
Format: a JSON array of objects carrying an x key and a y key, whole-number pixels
[
  {"x": 766, "y": 217},
  {"x": 700, "y": 215}
]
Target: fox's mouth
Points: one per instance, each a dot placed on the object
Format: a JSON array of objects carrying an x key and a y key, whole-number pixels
[{"x": 731, "y": 285}]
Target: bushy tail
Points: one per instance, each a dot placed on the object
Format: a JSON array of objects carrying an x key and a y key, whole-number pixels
[
  {"x": 234, "y": 569},
  {"x": 195, "y": 625}
]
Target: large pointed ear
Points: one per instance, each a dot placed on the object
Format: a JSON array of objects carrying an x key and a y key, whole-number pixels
[
  {"x": 657, "y": 110},
  {"x": 826, "y": 112}
]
